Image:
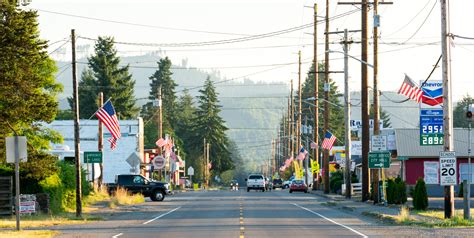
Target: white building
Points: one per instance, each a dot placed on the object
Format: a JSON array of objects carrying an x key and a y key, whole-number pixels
[{"x": 114, "y": 161}]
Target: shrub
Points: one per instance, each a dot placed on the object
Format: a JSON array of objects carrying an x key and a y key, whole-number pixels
[
  {"x": 420, "y": 197},
  {"x": 335, "y": 181},
  {"x": 400, "y": 192},
  {"x": 390, "y": 190}
]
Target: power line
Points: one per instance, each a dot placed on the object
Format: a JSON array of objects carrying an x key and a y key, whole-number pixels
[
  {"x": 423, "y": 23},
  {"x": 411, "y": 20}
]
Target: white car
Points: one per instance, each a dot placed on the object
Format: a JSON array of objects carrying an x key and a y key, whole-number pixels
[{"x": 256, "y": 182}]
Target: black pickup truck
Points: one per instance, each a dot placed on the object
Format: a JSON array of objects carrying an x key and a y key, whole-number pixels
[{"x": 134, "y": 183}]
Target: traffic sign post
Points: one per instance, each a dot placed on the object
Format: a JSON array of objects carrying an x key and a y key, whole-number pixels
[
  {"x": 447, "y": 168},
  {"x": 379, "y": 159}
]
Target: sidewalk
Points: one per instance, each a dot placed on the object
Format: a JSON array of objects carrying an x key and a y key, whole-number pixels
[{"x": 354, "y": 205}]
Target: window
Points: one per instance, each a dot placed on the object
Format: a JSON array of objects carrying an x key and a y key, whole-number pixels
[
  {"x": 431, "y": 171},
  {"x": 138, "y": 180},
  {"x": 464, "y": 172}
]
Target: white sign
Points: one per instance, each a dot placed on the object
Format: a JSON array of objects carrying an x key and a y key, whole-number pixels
[
  {"x": 10, "y": 144},
  {"x": 431, "y": 172},
  {"x": 356, "y": 148},
  {"x": 27, "y": 207},
  {"x": 158, "y": 162},
  {"x": 379, "y": 143},
  {"x": 357, "y": 124},
  {"x": 447, "y": 168},
  {"x": 190, "y": 171}
]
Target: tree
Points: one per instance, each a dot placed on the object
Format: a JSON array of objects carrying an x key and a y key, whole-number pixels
[
  {"x": 459, "y": 112},
  {"x": 420, "y": 197},
  {"x": 28, "y": 92},
  {"x": 185, "y": 114},
  {"x": 104, "y": 74},
  {"x": 209, "y": 125},
  {"x": 383, "y": 116},
  {"x": 336, "y": 115},
  {"x": 161, "y": 78}
]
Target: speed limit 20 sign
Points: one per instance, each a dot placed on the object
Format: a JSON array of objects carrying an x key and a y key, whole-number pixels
[{"x": 447, "y": 168}]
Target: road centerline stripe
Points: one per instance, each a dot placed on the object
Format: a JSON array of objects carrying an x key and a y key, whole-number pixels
[
  {"x": 328, "y": 219},
  {"x": 160, "y": 216}
]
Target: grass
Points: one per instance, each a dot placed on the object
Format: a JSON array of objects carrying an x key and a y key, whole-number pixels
[
  {"x": 28, "y": 234},
  {"x": 404, "y": 215},
  {"x": 43, "y": 220},
  {"x": 122, "y": 197}
]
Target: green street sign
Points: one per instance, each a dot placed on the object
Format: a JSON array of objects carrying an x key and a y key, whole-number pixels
[
  {"x": 379, "y": 159},
  {"x": 92, "y": 157}
]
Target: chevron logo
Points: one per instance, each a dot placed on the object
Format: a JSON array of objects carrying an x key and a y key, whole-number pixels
[{"x": 432, "y": 97}]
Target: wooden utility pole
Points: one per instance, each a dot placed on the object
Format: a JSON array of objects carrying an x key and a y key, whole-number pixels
[
  {"x": 292, "y": 121},
  {"x": 298, "y": 128},
  {"x": 77, "y": 139},
  {"x": 326, "y": 99},
  {"x": 159, "y": 121},
  {"x": 273, "y": 156},
  {"x": 204, "y": 159},
  {"x": 288, "y": 132},
  {"x": 347, "y": 114},
  {"x": 375, "y": 172},
  {"x": 100, "y": 144},
  {"x": 208, "y": 175},
  {"x": 316, "y": 93},
  {"x": 365, "y": 106},
  {"x": 447, "y": 101}
]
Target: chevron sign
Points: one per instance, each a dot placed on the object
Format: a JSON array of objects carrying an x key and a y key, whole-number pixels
[{"x": 432, "y": 93}]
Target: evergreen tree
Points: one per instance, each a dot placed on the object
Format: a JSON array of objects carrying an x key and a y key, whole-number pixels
[
  {"x": 106, "y": 75},
  {"x": 460, "y": 110},
  {"x": 28, "y": 91},
  {"x": 209, "y": 125},
  {"x": 383, "y": 116},
  {"x": 420, "y": 197},
  {"x": 161, "y": 78},
  {"x": 336, "y": 113}
]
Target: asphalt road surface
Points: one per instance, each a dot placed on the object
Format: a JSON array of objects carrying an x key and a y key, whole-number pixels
[{"x": 241, "y": 214}]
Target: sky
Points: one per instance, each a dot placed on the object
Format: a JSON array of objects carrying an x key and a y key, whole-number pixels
[{"x": 409, "y": 35}]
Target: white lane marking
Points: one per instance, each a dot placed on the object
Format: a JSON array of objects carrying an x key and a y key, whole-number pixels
[
  {"x": 160, "y": 216},
  {"x": 304, "y": 208},
  {"x": 119, "y": 234}
]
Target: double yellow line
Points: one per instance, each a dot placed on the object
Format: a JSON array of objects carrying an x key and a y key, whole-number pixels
[{"x": 241, "y": 221}]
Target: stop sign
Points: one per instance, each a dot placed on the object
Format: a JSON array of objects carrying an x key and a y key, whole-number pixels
[{"x": 158, "y": 162}]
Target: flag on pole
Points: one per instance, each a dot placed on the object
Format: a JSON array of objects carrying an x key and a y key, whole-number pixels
[
  {"x": 106, "y": 114},
  {"x": 160, "y": 142},
  {"x": 328, "y": 141},
  {"x": 410, "y": 89},
  {"x": 302, "y": 154}
]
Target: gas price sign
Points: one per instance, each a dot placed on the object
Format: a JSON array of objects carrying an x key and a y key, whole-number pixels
[{"x": 431, "y": 127}]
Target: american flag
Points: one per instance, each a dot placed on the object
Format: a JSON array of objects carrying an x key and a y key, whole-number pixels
[
  {"x": 106, "y": 115},
  {"x": 302, "y": 154},
  {"x": 161, "y": 142},
  {"x": 410, "y": 89},
  {"x": 328, "y": 141}
]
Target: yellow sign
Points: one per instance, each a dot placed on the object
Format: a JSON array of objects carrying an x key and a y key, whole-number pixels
[
  {"x": 314, "y": 167},
  {"x": 332, "y": 168},
  {"x": 298, "y": 175}
]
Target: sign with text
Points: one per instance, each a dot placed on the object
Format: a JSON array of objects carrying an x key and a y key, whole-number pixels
[
  {"x": 379, "y": 159},
  {"x": 357, "y": 124},
  {"x": 92, "y": 157},
  {"x": 447, "y": 168},
  {"x": 379, "y": 143},
  {"x": 431, "y": 127},
  {"x": 159, "y": 162}
]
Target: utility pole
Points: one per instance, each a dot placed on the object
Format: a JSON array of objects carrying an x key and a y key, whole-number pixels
[
  {"x": 306, "y": 159},
  {"x": 159, "y": 120},
  {"x": 347, "y": 116},
  {"x": 298, "y": 128},
  {"x": 207, "y": 166},
  {"x": 447, "y": 101},
  {"x": 326, "y": 99},
  {"x": 204, "y": 159},
  {"x": 376, "y": 109},
  {"x": 316, "y": 93},
  {"x": 288, "y": 152},
  {"x": 77, "y": 139},
  {"x": 100, "y": 143},
  {"x": 292, "y": 121},
  {"x": 273, "y": 156},
  {"x": 365, "y": 106}
]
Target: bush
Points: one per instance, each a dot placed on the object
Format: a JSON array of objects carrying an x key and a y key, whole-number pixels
[
  {"x": 400, "y": 195},
  {"x": 420, "y": 197},
  {"x": 390, "y": 190},
  {"x": 335, "y": 181}
]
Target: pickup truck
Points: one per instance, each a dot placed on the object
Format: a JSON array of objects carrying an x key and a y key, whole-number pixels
[
  {"x": 256, "y": 182},
  {"x": 135, "y": 183}
]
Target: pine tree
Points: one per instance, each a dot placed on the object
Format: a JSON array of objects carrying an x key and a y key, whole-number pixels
[
  {"x": 104, "y": 74},
  {"x": 28, "y": 91},
  {"x": 209, "y": 125},
  {"x": 336, "y": 114},
  {"x": 420, "y": 197}
]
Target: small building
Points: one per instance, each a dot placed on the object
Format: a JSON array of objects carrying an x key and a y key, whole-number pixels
[
  {"x": 114, "y": 161},
  {"x": 423, "y": 161}
]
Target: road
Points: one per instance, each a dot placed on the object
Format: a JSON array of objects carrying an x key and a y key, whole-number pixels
[{"x": 239, "y": 214}]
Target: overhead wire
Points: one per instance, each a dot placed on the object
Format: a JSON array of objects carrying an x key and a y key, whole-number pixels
[{"x": 423, "y": 23}]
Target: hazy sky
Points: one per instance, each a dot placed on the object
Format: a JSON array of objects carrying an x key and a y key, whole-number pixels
[{"x": 409, "y": 35}]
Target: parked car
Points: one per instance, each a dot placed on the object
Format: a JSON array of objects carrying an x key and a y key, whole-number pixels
[
  {"x": 298, "y": 185},
  {"x": 286, "y": 184},
  {"x": 255, "y": 182},
  {"x": 277, "y": 183},
  {"x": 134, "y": 183}
]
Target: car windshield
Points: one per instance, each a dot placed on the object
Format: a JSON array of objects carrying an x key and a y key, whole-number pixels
[{"x": 298, "y": 181}]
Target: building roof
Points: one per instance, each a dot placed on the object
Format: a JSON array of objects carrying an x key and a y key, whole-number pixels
[{"x": 408, "y": 143}]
